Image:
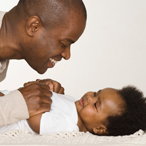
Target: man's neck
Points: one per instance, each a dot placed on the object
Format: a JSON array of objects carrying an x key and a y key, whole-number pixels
[{"x": 8, "y": 39}]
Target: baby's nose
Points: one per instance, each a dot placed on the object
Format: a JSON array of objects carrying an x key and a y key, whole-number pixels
[{"x": 91, "y": 99}]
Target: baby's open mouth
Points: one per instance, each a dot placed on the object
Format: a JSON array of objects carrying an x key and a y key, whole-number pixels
[{"x": 81, "y": 102}]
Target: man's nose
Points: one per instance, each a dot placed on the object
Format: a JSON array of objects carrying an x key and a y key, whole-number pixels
[{"x": 66, "y": 53}]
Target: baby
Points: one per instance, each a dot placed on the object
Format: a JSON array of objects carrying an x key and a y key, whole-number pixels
[{"x": 106, "y": 112}]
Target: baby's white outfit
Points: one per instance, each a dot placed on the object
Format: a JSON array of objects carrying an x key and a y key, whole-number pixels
[{"x": 61, "y": 118}]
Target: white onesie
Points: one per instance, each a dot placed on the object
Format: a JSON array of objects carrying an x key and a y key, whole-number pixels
[{"x": 61, "y": 118}]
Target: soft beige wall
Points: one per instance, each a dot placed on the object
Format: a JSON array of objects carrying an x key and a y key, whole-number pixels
[{"x": 110, "y": 53}]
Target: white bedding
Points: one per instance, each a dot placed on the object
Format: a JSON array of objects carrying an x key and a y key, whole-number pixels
[{"x": 18, "y": 137}]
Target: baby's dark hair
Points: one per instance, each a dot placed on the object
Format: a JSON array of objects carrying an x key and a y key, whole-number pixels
[{"x": 134, "y": 115}]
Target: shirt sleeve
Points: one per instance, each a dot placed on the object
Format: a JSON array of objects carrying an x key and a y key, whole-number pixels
[{"x": 12, "y": 108}]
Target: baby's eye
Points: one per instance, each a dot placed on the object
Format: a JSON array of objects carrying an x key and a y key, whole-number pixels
[
  {"x": 94, "y": 94},
  {"x": 95, "y": 105}
]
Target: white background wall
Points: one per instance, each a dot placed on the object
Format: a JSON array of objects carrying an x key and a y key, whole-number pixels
[{"x": 110, "y": 53}]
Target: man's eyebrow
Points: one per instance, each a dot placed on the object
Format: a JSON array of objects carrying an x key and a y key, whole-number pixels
[{"x": 69, "y": 40}]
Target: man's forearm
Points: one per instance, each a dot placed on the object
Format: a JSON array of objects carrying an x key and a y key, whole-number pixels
[{"x": 12, "y": 108}]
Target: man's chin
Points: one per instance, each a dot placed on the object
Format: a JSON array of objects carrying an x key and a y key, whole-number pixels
[{"x": 41, "y": 71}]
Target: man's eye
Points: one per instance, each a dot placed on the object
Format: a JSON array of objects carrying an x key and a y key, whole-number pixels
[
  {"x": 64, "y": 46},
  {"x": 95, "y": 105}
]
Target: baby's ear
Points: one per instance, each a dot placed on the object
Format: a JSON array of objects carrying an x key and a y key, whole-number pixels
[{"x": 100, "y": 130}]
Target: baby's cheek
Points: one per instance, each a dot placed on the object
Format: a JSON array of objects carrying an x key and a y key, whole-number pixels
[{"x": 88, "y": 111}]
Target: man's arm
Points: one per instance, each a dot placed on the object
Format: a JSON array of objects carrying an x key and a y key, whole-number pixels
[
  {"x": 28, "y": 101},
  {"x": 34, "y": 122},
  {"x": 12, "y": 108},
  {"x": 46, "y": 86},
  {"x": 24, "y": 103},
  {"x": 37, "y": 98}
]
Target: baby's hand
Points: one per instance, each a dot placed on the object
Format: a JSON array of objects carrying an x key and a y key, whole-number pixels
[{"x": 54, "y": 85}]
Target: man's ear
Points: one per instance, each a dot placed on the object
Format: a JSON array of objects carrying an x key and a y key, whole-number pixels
[
  {"x": 100, "y": 130},
  {"x": 33, "y": 25}
]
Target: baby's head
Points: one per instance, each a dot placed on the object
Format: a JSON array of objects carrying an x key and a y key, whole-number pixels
[{"x": 113, "y": 112}]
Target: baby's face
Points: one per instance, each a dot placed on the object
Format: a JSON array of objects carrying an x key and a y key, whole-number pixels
[{"x": 94, "y": 107}]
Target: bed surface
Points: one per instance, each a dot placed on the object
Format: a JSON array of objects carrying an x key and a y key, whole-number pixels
[{"x": 18, "y": 137}]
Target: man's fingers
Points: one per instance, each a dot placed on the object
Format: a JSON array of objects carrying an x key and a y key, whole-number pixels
[
  {"x": 44, "y": 107},
  {"x": 46, "y": 99},
  {"x": 37, "y": 97}
]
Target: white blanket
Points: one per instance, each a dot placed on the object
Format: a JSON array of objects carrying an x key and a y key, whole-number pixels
[{"x": 71, "y": 139}]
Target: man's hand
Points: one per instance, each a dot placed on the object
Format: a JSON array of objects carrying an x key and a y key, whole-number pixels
[
  {"x": 37, "y": 97},
  {"x": 54, "y": 85}
]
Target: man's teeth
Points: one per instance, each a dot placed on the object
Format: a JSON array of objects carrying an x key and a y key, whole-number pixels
[{"x": 53, "y": 61}]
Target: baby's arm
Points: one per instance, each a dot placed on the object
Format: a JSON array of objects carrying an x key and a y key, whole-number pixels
[
  {"x": 1, "y": 94},
  {"x": 34, "y": 123}
]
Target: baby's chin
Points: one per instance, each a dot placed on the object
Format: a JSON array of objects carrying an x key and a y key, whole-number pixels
[
  {"x": 78, "y": 106},
  {"x": 77, "y": 103}
]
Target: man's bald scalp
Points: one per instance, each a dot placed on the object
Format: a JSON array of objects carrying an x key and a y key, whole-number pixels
[{"x": 51, "y": 12}]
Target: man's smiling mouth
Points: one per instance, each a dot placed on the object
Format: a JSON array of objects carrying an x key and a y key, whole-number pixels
[{"x": 53, "y": 61}]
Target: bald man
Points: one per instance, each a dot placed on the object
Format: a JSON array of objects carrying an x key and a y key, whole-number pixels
[{"x": 41, "y": 32}]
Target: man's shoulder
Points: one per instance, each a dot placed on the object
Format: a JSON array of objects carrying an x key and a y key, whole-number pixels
[
  {"x": 3, "y": 69},
  {"x": 2, "y": 14}
]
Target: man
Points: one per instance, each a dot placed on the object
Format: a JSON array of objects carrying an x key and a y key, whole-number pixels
[{"x": 41, "y": 32}]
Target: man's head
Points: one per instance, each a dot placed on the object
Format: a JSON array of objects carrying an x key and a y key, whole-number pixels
[
  {"x": 113, "y": 112},
  {"x": 50, "y": 27}
]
